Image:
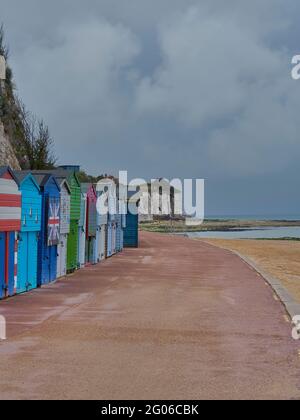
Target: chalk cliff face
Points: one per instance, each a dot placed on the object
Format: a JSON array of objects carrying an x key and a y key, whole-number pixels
[{"x": 7, "y": 156}]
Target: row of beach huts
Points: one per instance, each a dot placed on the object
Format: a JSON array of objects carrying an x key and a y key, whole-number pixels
[{"x": 50, "y": 226}]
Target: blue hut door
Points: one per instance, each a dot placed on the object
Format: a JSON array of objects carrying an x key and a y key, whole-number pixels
[
  {"x": 32, "y": 258},
  {"x": 52, "y": 262},
  {"x": 27, "y": 261}
]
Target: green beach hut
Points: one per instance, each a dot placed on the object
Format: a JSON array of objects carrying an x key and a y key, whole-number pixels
[{"x": 69, "y": 173}]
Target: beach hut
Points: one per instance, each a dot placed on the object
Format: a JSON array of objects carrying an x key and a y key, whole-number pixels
[
  {"x": 119, "y": 233},
  {"x": 28, "y": 237},
  {"x": 109, "y": 239},
  {"x": 120, "y": 217},
  {"x": 81, "y": 230},
  {"x": 112, "y": 240},
  {"x": 65, "y": 208},
  {"x": 50, "y": 228},
  {"x": 10, "y": 224},
  {"x": 72, "y": 254},
  {"x": 88, "y": 190},
  {"x": 106, "y": 233},
  {"x": 69, "y": 173},
  {"x": 131, "y": 236},
  {"x": 101, "y": 234},
  {"x": 112, "y": 213},
  {"x": 131, "y": 230}
]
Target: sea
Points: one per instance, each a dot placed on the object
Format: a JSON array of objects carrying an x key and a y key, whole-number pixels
[
  {"x": 289, "y": 232},
  {"x": 287, "y": 217}
]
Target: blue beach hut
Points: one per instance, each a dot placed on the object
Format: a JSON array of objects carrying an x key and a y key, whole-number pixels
[
  {"x": 131, "y": 230},
  {"x": 50, "y": 228},
  {"x": 119, "y": 233},
  {"x": 29, "y": 234}
]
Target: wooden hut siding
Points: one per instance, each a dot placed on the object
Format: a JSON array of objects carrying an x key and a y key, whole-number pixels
[
  {"x": 72, "y": 254},
  {"x": 112, "y": 233},
  {"x": 101, "y": 234},
  {"x": 65, "y": 207},
  {"x": 69, "y": 173},
  {"x": 8, "y": 264},
  {"x": 82, "y": 231},
  {"x": 89, "y": 193},
  {"x": 101, "y": 242},
  {"x": 75, "y": 197},
  {"x": 29, "y": 234},
  {"x": 119, "y": 233},
  {"x": 49, "y": 237},
  {"x": 31, "y": 206},
  {"x": 91, "y": 209},
  {"x": 27, "y": 261},
  {"x": 131, "y": 236},
  {"x": 114, "y": 238},
  {"x": 92, "y": 218},
  {"x": 10, "y": 225},
  {"x": 109, "y": 229},
  {"x": 62, "y": 256},
  {"x": 10, "y": 205},
  {"x": 108, "y": 187}
]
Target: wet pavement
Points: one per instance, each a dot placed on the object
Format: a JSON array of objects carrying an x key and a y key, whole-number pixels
[{"x": 174, "y": 319}]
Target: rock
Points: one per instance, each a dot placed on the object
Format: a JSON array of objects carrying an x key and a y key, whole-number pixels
[
  {"x": 2, "y": 68},
  {"x": 7, "y": 156}
]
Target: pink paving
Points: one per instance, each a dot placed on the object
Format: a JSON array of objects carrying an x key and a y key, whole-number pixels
[{"x": 174, "y": 319}]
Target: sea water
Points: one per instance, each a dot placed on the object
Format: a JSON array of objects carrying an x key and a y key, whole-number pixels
[{"x": 251, "y": 233}]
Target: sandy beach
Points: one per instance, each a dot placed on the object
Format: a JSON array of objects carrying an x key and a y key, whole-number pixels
[{"x": 280, "y": 259}]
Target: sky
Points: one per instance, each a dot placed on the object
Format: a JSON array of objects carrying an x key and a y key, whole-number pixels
[{"x": 168, "y": 88}]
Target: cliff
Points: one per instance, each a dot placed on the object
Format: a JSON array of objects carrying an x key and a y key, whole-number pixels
[{"x": 7, "y": 155}]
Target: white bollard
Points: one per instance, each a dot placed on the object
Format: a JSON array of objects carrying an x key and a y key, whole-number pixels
[{"x": 2, "y": 328}]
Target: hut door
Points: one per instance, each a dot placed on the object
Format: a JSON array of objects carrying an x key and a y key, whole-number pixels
[
  {"x": 7, "y": 264},
  {"x": 32, "y": 260},
  {"x": 114, "y": 237},
  {"x": 52, "y": 262},
  {"x": 23, "y": 262},
  {"x": 104, "y": 236},
  {"x": 62, "y": 257},
  {"x": 2, "y": 264}
]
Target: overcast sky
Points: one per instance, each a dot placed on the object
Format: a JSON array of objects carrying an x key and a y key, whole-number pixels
[{"x": 173, "y": 88}]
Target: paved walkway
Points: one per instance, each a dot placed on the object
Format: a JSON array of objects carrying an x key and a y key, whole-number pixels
[{"x": 174, "y": 319}]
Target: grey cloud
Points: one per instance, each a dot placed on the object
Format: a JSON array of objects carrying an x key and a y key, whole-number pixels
[{"x": 164, "y": 88}]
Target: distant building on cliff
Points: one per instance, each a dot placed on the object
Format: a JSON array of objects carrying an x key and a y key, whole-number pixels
[{"x": 157, "y": 201}]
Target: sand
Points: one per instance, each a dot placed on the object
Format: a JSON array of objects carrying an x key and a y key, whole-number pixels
[{"x": 280, "y": 259}]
